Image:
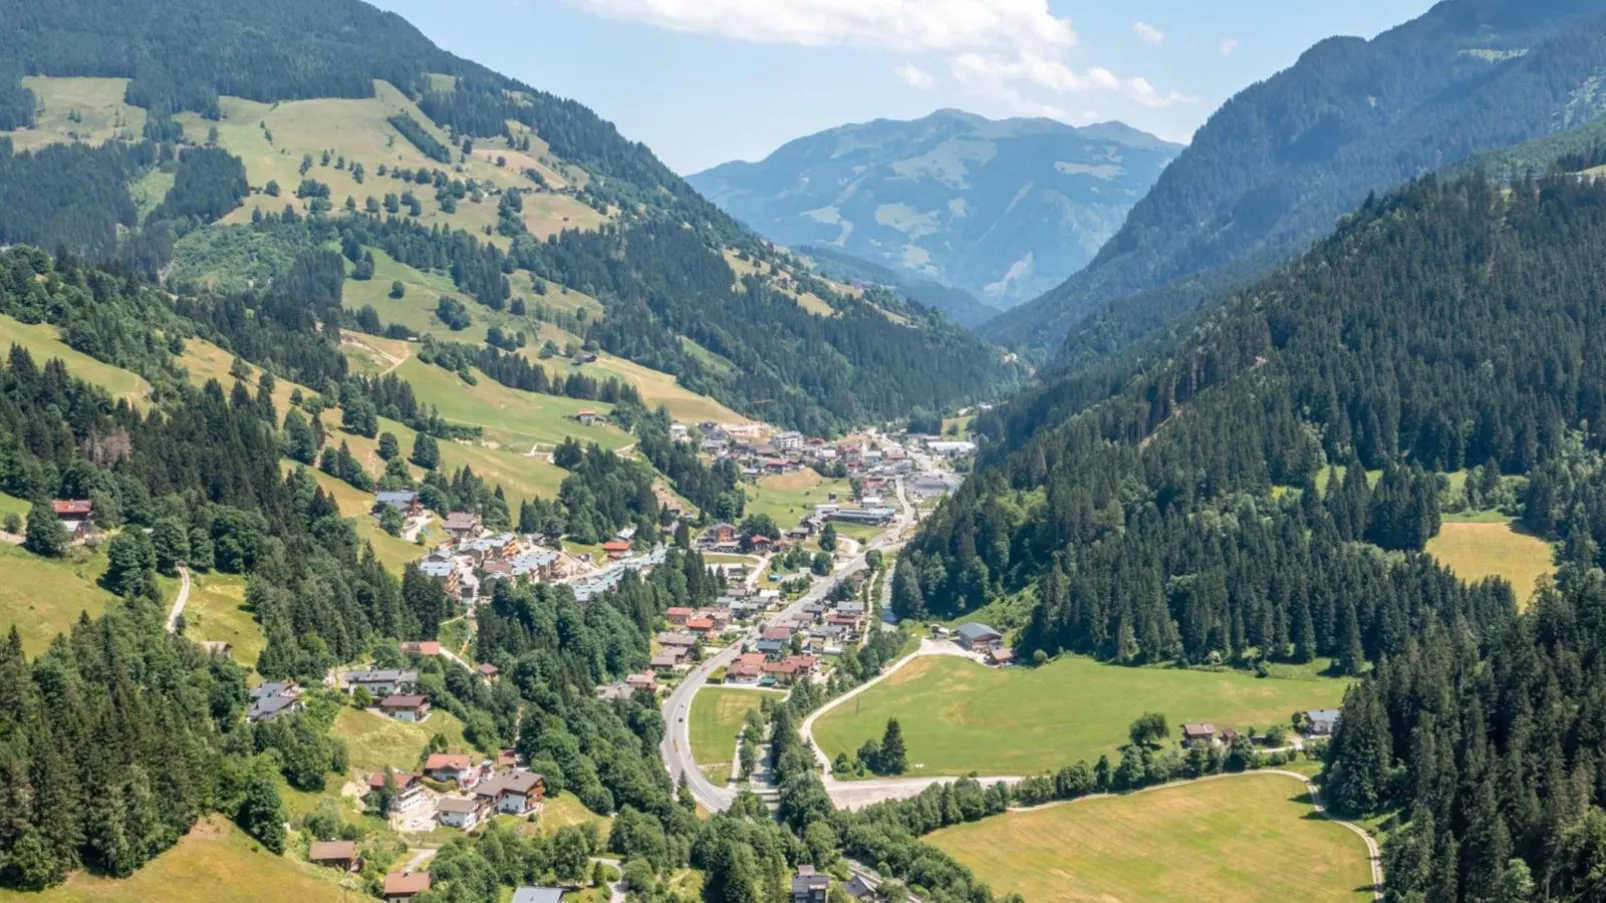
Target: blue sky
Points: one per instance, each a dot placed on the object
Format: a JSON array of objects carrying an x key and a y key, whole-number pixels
[{"x": 705, "y": 81}]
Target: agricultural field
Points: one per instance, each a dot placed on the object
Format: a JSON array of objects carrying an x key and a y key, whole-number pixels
[
  {"x": 213, "y": 862},
  {"x": 716, "y": 718},
  {"x": 790, "y": 497},
  {"x": 1252, "y": 838},
  {"x": 1475, "y": 550},
  {"x": 512, "y": 419},
  {"x": 375, "y": 741},
  {"x": 44, "y": 342},
  {"x": 658, "y": 388},
  {"x": 216, "y": 611},
  {"x": 86, "y": 110},
  {"x": 45, "y": 596},
  {"x": 959, "y": 716}
]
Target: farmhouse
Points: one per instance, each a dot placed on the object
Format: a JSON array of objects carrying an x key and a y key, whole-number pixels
[
  {"x": 457, "y": 767},
  {"x": 380, "y": 682},
  {"x": 409, "y": 788},
  {"x": 1198, "y": 733},
  {"x": 642, "y": 682},
  {"x": 273, "y": 699},
  {"x": 809, "y": 886},
  {"x": 1321, "y": 722},
  {"x": 668, "y": 660},
  {"x": 586, "y": 417},
  {"x": 339, "y": 854},
  {"x": 404, "y": 500},
  {"x": 406, "y": 707},
  {"x": 977, "y": 637},
  {"x": 515, "y": 793},
  {"x": 76, "y": 515},
  {"x": 678, "y": 614},
  {"x": 402, "y": 887},
  {"x": 461, "y": 525},
  {"x": 461, "y": 812},
  {"x": 616, "y": 548}
]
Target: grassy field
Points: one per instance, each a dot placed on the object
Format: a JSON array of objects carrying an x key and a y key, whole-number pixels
[
  {"x": 213, "y": 862},
  {"x": 216, "y": 611},
  {"x": 45, "y": 596},
  {"x": 96, "y": 103},
  {"x": 958, "y": 716},
  {"x": 659, "y": 388},
  {"x": 44, "y": 342},
  {"x": 809, "y": 301},
  {"x": 565, "y": 810},
  {"x": 716, "y": 719},
  {"x": 1500, "y": 549},
  {"x": 375, "y": 741},
  {"x": 511, "y": 418},
  {"x": 790, "y": 497},
  {"x": 1250, "y": 839}
]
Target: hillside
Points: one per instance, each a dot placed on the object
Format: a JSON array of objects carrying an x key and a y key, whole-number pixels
[
  {"x": 226, "y": 148},
  {"x": 1002, "y": 210},
  {"x": 1277, "y": 165}
]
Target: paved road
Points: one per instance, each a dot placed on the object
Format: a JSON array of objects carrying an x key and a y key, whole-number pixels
[
  {"x": 675, "y": 749},
  {"x": 183, "y": 597}
]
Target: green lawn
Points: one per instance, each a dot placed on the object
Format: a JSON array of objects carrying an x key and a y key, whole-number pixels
[
  {"x": 44, "y": 342},
  {"x": 1249, "y": 839},
  {"x": 790, "y": 497},
  {"x": 512, "y": 418},
  {"x": 716, "y": 718},
  {"x": 375, "y": 741},
  {"x": 216, "y": 611},
  {"x": 1475, "y": 550},
  {"x": 958, "y": 716},
  {"x": 97, "y": 104},
  {"x": 45, "y": 596},
  {"x": 215, "y": 861}
]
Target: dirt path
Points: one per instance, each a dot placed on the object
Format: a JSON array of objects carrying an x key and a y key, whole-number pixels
[{"x": 183, "y": 597}]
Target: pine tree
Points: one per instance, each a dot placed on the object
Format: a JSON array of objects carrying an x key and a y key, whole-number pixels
[
  {"x": 893, "y": 758},
  {"x": 261, "y": 812},
  {"x": 46, "y": 536}
]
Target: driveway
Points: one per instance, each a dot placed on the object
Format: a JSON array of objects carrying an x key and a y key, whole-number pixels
[{"x": 183, "y": 597}]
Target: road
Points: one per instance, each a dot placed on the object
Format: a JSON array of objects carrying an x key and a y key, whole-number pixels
[
  {"x": 183, "y": 597},
  {"x": 675, "y": 749}
]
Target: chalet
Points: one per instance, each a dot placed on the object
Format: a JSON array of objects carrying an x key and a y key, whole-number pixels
[
  {"x": 784, "y": 671},
  {"x": 458, "y": 767},
  {"x": 777, "y": 633},
  {"x": 668, "y": 660},
  {"x": 700, "y": 625},
  {"x": 404, "y": 500},
  {"x": 462, "y": 812},
  {"x": 272, "y": 699},
  {"x": 409, "y": 789},
  {"x": 447, "y": 572},
  {"x": 337, "y": 854},
  {"x": 1000, "y": 656},
  {"x": 1321, "y": 722},
  {"x": 461, "y": 525},
  {"x": 515, "y": 793},
  {"x": 642, "y": 682},
  {"x": 809, "y": 886},
  {"x": 720, "y": 534},
  {"x": 679, "y": 614},
  {"x": 616, "y": 548},
  {"x": 76, "y": 515},
  {"x": 402, "y": 887},
  {"x": 380, "y": 681},
  {"x": 977, "y": 637},
  {"x": 423, "y": 647},
  {"x": 744, "y": 673},
  {"x": 541, "y": 565},
  {"x": 586, "y": 417},
  {"x": 1198, "y": 733},
  {"x": 405, "y": 707},
  {"x": 761, "y": 543},
  {"x": 538, "y": 895}
]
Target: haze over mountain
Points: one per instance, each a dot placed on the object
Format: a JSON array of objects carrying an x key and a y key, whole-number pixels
[
  {"x": 1002, "y": 209},
  {"x": 1278, "y": 164}
]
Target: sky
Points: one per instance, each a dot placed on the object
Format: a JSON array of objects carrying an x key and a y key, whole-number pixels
[{"x": 706, "y": 81}]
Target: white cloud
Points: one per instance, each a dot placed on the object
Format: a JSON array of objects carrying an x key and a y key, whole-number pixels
[
  {"x": 916, "y": 77},
  {"x": 1006, "y": 49},
  {"x": 1228, "y": 46},
  {"x": 1148, "y": 34}
]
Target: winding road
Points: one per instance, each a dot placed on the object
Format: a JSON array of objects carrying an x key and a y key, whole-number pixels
[{"x": 183, "y": 598}]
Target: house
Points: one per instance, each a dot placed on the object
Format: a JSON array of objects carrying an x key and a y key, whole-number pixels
[
  {"x": 678, "y": 614},
  {"x": 487, "y": 671},
  {"x": 462, "y": 812},
  {"x": 401, "y": 887},
  {"x": 406, "y": 708},
  {"x": 272, "y": 699},
  {"x": 999, "y": 656},
  {"x": 457, "y": 767},
  {"x": 76, "y": 515},
  {"x": 770, "y": 647},
  {"x": 424, "y": 647},
  {"x": 1321, "y": 722},
  {"x": 700, "y": 625},
  {"x": 445, "y": 571},
  {"x": 409, "y": 789},
  {"x": 538, "y": 895},
  {"x": 616, "y": 690},
  {"x": 586, "y": 417},
  {"x": 668, "y": 660},
  {"x": 516, "y": 793},
  {"x": 404, "y": 500},
  {"x": 1198, "y": 732},
  {"x": 461, "y": 525},
  {"x": 776, "y": 633},
  {"x": 809, "y": 886},
  {"x": 719, "y": 534},
  {"x": 676, "y": 640},
  {"x": 380, "y": 681},
  {"x": 744, "y": 673},
  {"x": 642, "y": 682},
  {"x": 788, "y": 440},
  {"x": 977, "y": 637},
  {"x": 338, "y": 854},
  {"x": 860, "y": 889}
]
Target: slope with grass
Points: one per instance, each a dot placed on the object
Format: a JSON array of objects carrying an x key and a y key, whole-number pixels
[
  {"x": 789, "y": 497},
  {"x": 45, "y": 596},
  {"x": 1251, "y": 838},
  {"x": 1499, "y": 549},
  {"x": 959, "y": 716},
  {"x": 216, "y": 611},
  {"x": 717, "y": 715},
  {"x": 374, "y": 741},
  {"x": 87, "y": 110},
  {"x": 44, "y": 342},
  {"x": 215, "y": 861}
]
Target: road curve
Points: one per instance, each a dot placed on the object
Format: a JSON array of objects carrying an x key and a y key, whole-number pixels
[{"x": 178, "y": 603}]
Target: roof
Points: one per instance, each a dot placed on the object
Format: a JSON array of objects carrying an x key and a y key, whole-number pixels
[
  {"x": 73, "y": 506},
  {"x": 1199, "y": 729},
  {"x": 1323, "y": 714},
  {"x": 381, "y": 676},
  {"x": 437, "y": 568},
  {"x": 399, "y": 701},
  {"x": 457, "y": 804},
  {"x": 976, "y": 631},
  {"x": 423, "y": 647},
  {"x": 521, "y": 782},
  {"x": 665, "y": 660},
  {"x": 461, "y": 520},
  {"x": 396, "y": 497},
  {"x": 858, "y": 888},
  {"x": 404, "y": 884},
  {"x": 403, "y": 778},
  {"x": 327, "y": 850},
  {"x": 616, "y": 545},
  {"x": 538, "y": 895},
  {"x": 456, "y": 762}
]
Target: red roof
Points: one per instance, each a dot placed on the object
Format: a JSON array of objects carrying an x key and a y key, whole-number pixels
[
  {"x": 406, "y": 885},
  {"x": 441, "y": 761},
  {"x": 699, "y": 624},
  {"x": 678, "y": 612},
  {"x": 423, "y": 647},
  {"x": 403, "y": 702},
  {"x": 616, "y": 545},
  {"x": 73, "y": 506}
]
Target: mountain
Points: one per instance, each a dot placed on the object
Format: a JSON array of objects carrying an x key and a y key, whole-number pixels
[
  {"x": 956, "y": 304},
  {"x": 1277, "y": 165},
  {"x": 233, "y": 142},
  {"x": 1004, "y": 210}
]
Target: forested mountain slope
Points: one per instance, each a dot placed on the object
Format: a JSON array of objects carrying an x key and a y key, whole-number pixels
[
  {"x": 1280, "y": 162},
  {"x": 1197, "y": 516},
  {"x": 519, "y": 197},
  {"x": 1004, "y": 210}
]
